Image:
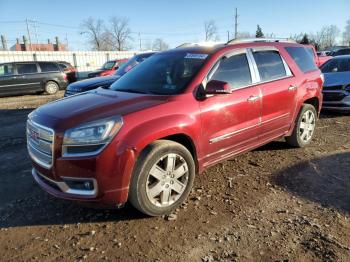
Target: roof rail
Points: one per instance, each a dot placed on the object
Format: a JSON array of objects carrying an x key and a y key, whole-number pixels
[
  {"x": 257, "y": 40},
  {"x": 208, "y": 44}
]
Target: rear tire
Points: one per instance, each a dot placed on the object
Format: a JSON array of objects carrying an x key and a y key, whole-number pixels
[
  {"x": 162, "y": 178},
  {"x": 51, "y": 87},
  {"x": 304, "y": 128}
]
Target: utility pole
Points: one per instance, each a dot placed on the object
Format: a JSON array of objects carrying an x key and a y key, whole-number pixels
[
  {"x": 236, "y": 23},
  {"x": 35, "y": 31},
  {"x": 30, "y": 39},
  {"x": 140, "y": 41},
  {"x": 66, "y": 41},
  {"x": 228, "y": 35}
]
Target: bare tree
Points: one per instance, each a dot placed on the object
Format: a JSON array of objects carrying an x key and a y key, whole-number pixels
[
  {"x": 94, "y": 29},
  {"x": 120, "y": 32},
  {"x": 346, "y": 33},
  {"x": 326, "y": 37},
  {"x": 245, "y": 34},
  {"x": 211, "y": 31},
  {"x": 159, "y": 45}
]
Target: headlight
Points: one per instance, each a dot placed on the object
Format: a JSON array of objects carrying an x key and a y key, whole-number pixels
[{"x": 90, "y": 138}]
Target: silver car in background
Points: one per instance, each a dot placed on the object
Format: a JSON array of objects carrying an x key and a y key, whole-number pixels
[{"x": 336, "y": 88}]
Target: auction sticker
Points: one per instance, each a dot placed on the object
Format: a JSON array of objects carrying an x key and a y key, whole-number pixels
[{"x": 196, "y": 56}]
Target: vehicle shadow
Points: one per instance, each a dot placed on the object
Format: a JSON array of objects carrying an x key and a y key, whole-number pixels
[
  {"x": 333, "y": 114},
  {"x": 323, "y": 180},
  {"x": 275, "y": 146}
]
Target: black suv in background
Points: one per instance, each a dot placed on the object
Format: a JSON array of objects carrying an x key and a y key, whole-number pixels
[{"x": 19, "y": 78}]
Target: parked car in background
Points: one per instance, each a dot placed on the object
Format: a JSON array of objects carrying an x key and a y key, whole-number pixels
[
  {"x": 179, "y": 112},
  {"x": 69, "y": 70},
  {"x": 108, "y": 68},
  {"x": 336, "y": 88},
  {"x": 105, "y": 81},
  {"x": 343, "y": 51},
  {"x": 319, "y": 59},
  {"x": 19, "y": 78}
]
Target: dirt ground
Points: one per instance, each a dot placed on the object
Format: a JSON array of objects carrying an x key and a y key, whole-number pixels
[{"x": 275, "y": 203}]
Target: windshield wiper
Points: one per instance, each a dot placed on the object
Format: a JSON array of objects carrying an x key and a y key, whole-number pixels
[{"x": 131, "y": 91}]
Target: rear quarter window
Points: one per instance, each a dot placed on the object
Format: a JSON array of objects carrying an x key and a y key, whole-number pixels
[
  {"x": 48, "y": 67},
  {"x": 303, "y": 58},
  {"x": 270, "y": 65}
]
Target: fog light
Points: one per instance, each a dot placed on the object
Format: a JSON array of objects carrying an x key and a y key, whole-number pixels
[
  {"x": 88, "y": 185},
  {"x": 78, "y": 184}
]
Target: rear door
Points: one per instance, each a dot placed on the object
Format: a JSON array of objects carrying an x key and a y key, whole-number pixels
[
  {"x": 279, "y": 89},
  {"x": 28, "y": 78},
  {"x": 7, "y": 79},
  {"x": 230, "y": 122}
]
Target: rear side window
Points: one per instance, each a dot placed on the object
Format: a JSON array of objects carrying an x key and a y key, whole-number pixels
[
  {"x": 270, "y": 65},
  {"x": 48, "y": 67},
  {"x": 342, "y": 52},
  {"x": 26, "y": 68},
  {"x": 6, "y": 70},
  {"x": 336, "y": 65},
  {"x": 302, "y": 58},
  {"x": 233, "y": 70}
]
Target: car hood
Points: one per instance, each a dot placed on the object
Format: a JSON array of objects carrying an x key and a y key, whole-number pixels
[
  {"x": 93, "y": 105},
  {"x": 337, "y": 79},
  {"x": 92, "y": 82},
  {"x": 97, "y": 71}
]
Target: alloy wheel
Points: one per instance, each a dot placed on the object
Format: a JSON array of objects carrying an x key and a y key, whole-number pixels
[
  {"x": 307, "y": 126},
  {"x": 167, "y": 180}
]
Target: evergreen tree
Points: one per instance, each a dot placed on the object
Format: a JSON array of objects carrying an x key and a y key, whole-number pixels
[
  {"x": 259, "y": 33},
  {"x": 305, "y": 40}
]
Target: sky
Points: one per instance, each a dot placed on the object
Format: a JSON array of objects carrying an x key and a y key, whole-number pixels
[{"x": 175, "y": 22}]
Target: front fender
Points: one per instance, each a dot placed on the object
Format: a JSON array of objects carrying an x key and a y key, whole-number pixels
[{"x": 145, "y": 133}]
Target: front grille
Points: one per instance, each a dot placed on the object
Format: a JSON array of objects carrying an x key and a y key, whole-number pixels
[
  {"x": 334, "y": 96},
  {"x": 332, "y": 87},
  {"x": 40, "y": 142}
]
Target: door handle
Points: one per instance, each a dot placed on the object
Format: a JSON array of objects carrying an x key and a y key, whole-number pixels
[
  {"x": 291, "y": 88},
  {"x": 253, "y": 98}
]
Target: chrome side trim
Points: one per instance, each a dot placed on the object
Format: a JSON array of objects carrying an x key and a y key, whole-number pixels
[
  {"x": 66, "y": 189},
  {"x": 275, "y": 118},
  {"x": 231, "y": 134},
  {"x": 23, "y": 84}
]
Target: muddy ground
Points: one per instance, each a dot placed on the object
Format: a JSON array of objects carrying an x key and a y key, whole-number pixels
[{"x": 275, "y": 203}]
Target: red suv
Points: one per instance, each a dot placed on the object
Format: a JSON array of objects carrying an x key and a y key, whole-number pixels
[
  {"x": 108, "y": 68},
  {"x": 179, "y": 112}
]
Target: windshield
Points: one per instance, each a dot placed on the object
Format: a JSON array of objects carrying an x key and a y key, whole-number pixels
[
  {"x": 162, "y": 74},
  {"x": 108, "y": 65},
  {"x": 336, "y": 65}
]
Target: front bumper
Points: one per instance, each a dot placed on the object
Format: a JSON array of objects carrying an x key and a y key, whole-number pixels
[
  {"x": 108, "y": 172},
  {"x": 62, "y": 189},
  {"x": 336, "y": 100}
]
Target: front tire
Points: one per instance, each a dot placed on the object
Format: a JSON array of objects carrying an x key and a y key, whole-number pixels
[
  {"x": 162, "y": 178},
  {"x": 304, "y": 129},
  {"x": 51, "y": 87}
]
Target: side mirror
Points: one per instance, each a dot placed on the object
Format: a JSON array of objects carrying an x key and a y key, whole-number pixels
[{"x": 216, "y": 87}]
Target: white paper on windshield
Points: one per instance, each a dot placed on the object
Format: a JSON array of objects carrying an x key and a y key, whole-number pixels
[{"x": 196, "y": 56}]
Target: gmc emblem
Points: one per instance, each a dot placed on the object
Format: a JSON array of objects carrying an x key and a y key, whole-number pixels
[{"x": 34, "y": 135}]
